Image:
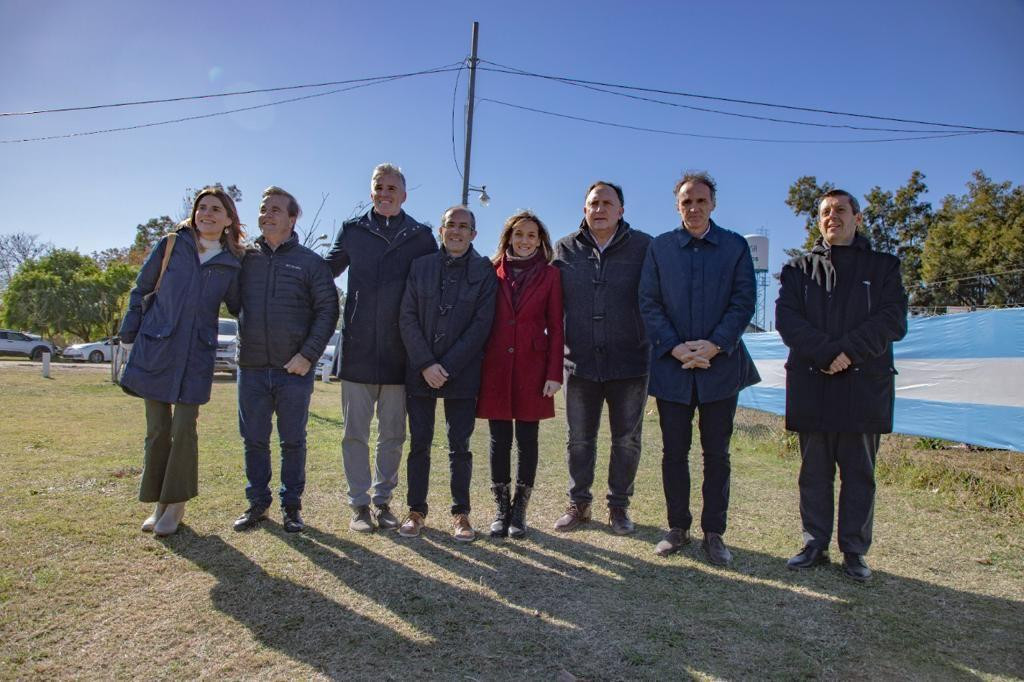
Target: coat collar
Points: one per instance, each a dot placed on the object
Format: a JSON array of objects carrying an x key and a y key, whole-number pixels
[
  {"x": 713, "y": 236},
  {"x": 584, "y": 236}
]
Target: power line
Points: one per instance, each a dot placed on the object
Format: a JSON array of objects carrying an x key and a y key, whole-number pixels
[
  {"x": 722, "y": 137},
  {"x": 380, "y": 80},
  {"x": 733, "y": 100},
  {"x": 187, "y": 98},
  {"x": 719, "y": 111},
  {"x": 455, "y": 92},
  {"x": 925, "y": 285}
]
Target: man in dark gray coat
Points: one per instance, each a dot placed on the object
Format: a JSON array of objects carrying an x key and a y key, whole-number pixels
[
  {"x": 840, "y": 309},
  {"x": 446, "y": 317},
  {"x": 607, "y": 353}
]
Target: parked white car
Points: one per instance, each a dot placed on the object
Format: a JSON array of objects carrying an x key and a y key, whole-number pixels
[
  {"x": 96, "y": 351},
  {"x": 23, "y": 343},
  {"x": 227, "y": 346},
  {"x": 330, "y": 361}
]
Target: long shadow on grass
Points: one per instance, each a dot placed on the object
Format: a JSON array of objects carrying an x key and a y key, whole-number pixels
[
  {"x": 291, "y": 618},
  {"x": 635, "y": 614},
  {"x": 463, "y": 624}
]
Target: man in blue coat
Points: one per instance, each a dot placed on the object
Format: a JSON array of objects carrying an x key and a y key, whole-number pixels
[
  {"x": 289, "y": 311},
  {"x": 840, "y": 309},
  {"x": 377, "y": 249},
  {"x": 697, "y": 296}
]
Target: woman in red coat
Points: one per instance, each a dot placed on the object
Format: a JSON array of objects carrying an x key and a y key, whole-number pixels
[{"x": 522, "y": 368}]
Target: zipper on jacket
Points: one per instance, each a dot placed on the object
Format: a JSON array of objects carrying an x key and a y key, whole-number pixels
[
  {"x": 266, "y": 306},
  {"x": 355, "y": 306},
  {"x": 867, "y": 290}
]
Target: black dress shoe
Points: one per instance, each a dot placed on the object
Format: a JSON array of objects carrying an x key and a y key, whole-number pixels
[
  {"x": 293, "y": 520},
  {"x": 855, "y": 567},
  {"x": 250, "y": 518},
  {"x": 809, "y": 557},
  {"x": 715, "y": 549}
]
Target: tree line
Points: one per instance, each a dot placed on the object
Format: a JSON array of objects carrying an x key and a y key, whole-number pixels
[{"x": 968, "y": 252}]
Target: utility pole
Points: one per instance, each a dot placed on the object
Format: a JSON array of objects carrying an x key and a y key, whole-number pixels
[{"x": 469, "y": 116}]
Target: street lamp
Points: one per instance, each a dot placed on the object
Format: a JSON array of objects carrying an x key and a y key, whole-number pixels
[{"x": 485, "y": 198}]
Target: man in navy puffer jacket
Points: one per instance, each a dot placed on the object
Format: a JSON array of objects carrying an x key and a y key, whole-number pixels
[{"x": 289, "y": 311}]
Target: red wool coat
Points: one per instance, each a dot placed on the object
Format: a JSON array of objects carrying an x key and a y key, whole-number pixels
[{"x": 524, "y": 350}]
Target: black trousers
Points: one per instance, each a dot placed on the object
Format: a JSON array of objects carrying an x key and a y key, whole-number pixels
[
  {"x": 501, "y": 451},
  {"x": 715, "y": 420},
  {"x": 460, "y": 418},
  {"x": 855, "y": 454}
]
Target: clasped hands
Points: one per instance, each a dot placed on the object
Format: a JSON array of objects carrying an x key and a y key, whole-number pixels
[
  {"x": 436, "y": 376},
  {"x": 841, "y": 363},
  {"x": 695, "y": 354}
]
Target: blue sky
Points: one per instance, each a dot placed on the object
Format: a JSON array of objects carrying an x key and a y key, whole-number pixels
[{"x": 937, "y": 61}]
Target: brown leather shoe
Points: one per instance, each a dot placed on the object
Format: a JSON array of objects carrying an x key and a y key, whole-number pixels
[
  {"x": 412, "y": 525},
  {"x": 619, "y": 520},
  {"x": 673, "y": 541},
  {"x": 462, "y": 529},
  {"x": 576, "y": 514},
  {"x": 715, "y": 548}
]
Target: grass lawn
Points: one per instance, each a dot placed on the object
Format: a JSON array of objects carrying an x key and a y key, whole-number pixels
[{"x": 84, "y": 594}]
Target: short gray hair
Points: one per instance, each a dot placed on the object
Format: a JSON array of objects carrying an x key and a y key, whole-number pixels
[
  {"x": 294, "y": 211},
  {"x": 387, "y": 169},
  {"x": 459, "y": 207},
  {"x": 697, "y": 176}
]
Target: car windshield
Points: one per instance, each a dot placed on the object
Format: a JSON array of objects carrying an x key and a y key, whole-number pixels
[{"x": 227, "y": 328}]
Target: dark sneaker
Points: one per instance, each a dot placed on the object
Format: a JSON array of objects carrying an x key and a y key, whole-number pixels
[
  {"x": 361, "y": 521},
  {"x": 619, "y": 520},
  {"x": 809, "y": 557},
  {"x": 673, "y": 541},
  {"x": 715, "y": 548},
  {"x": 250, "y": 518},
  {"x": 576, "y": 514},
  {"x": 855, "y": 567},
  {"x": 293, "y": 520},
  {"x": 385, "y": 519}
]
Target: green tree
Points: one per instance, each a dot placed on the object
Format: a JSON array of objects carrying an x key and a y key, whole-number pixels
[
  {"x": 148, "y": 234},
  {"x": 898, "y": 223},
  {"x": 67, "y": 294},
  {"x": 803, "y": 199},
  {"x": 974, "y": 252}
]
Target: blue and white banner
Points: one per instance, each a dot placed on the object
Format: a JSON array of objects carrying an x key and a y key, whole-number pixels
[{"x": 961, "y": 377}]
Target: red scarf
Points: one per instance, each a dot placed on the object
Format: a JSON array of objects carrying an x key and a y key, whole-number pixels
[{"x": 520, "y": 272}]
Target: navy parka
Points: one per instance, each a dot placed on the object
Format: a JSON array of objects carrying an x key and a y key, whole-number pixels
[
  {"x": 175, "y": 342},
  {"x": 372, "y": 349}
]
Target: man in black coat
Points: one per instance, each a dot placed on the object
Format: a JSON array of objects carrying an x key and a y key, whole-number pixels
[
  {"x": 377, "y": 250},
  {"x": 446, "y": 317},
  {"x": 289, "y": 310},
  {"x": 840, "y": 308},
  {"x": 607, "y": 353}
]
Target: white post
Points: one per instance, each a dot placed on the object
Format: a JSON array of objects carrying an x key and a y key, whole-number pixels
[{"x": 46, "y": 364}]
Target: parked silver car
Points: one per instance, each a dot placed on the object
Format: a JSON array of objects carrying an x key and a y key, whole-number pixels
[
  {"x": 227, "y": 346},
  {"x": 23, "y": 343}
]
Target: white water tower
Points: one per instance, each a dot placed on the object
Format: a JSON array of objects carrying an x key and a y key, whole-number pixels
[{"x": 759, "y": 252}]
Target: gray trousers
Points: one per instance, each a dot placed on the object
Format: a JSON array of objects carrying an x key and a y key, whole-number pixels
[{"x": 358, "y": 402}]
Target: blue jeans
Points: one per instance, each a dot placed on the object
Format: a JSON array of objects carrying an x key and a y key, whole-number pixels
[
  {"x": 584, "y": 400},
  {"x": 261, "y": 394}
]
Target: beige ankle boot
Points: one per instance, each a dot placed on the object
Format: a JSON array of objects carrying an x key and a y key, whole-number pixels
[
  {"x": 169, "y": 520},
  {"x": 158, "y": 510}
]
